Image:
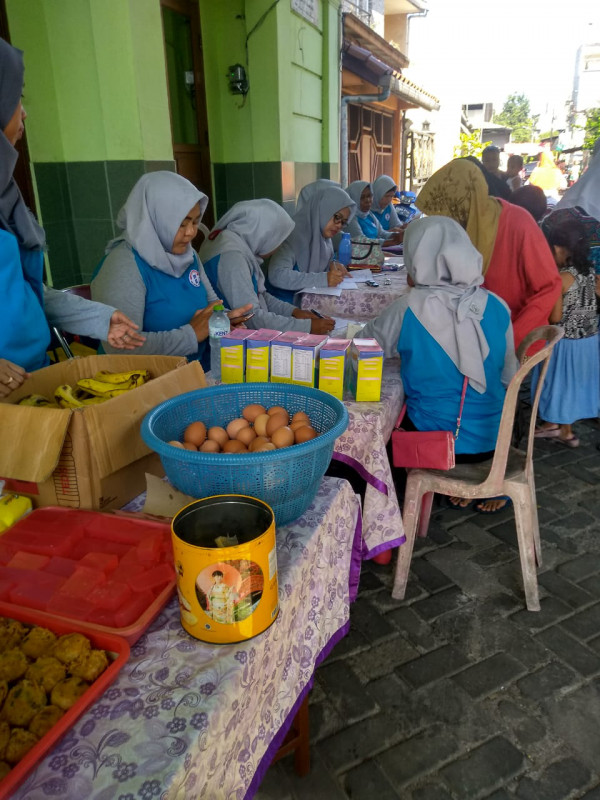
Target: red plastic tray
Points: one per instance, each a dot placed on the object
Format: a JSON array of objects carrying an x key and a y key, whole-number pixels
[
  {"x": 50, "y": 539},
  {"x": 116, "y": 647}
]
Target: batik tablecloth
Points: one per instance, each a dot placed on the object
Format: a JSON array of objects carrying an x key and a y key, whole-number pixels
[
  {"x": 186, "y": 719},
  {"x": 363, "y": 447},
  {"x": 361, "y": 304}
]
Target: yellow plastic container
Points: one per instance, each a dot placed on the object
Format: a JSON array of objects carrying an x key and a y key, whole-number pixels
[
  {"x": 12, "y": 508},
  {"x": 226, "y": 594}
]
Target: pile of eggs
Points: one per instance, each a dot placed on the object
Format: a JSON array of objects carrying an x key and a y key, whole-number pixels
[{"x": 258, "y": 429}]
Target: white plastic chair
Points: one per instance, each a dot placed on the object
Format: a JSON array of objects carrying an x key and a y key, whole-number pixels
[{"x": 510, "y": 472}]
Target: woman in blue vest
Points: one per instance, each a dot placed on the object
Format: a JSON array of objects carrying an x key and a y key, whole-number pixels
[
  {"x": 28, "y": 306},
  {"x": 365, "y": 223},
  {"x": 384, "y": 191},
  {"x": 232, "y": 256},
  {"x": 152, "y": 271}
]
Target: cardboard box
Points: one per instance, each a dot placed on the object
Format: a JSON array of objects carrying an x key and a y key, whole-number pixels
[
  {"x": 333, "y": 367},
  {"x": 258, "y": 354},
  {"x": 91, "y": 457},
  {"x": 367, "y": 368},
  {"x": 281, "y": 356},
  {"x": 305, "y": 359},
  {"x": 233, "y": 355}
]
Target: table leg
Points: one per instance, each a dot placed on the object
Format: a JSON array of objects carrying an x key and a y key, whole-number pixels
[{"x": 297, "y": 741}]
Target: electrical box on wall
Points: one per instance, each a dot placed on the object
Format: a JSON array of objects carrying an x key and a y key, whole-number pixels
[{"x": 238, "y": 83}]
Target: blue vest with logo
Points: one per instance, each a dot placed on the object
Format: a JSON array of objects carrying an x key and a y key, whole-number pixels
[
  {"x": 368, "y": 225},
  {"x": 384, "y": 216}
]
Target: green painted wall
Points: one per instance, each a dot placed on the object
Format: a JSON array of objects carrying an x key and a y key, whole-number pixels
[{"x": 101, "y": 94}]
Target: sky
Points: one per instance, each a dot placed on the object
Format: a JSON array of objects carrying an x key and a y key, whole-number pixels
[{"x": 478, "y": 50}]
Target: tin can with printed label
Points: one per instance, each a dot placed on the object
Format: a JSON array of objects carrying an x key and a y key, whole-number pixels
[{"x": 226, "y": 564}]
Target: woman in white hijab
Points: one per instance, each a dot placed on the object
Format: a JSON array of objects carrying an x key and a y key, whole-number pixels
[
  {"x": 446, "y": 328},
  {"x": 365, "y": 223},
  {"x": 305, "y": 259},
  {"x": 232, "y": 256},
  {"x": 384, "y": 190},
  {"x": 152, "y": 270}
]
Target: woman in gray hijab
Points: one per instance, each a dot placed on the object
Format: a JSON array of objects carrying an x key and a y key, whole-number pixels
[
  {"x": 365, "y": 223},
  {"x": 152, "y": 271},
  {"x": 232, "y": 256},
  {"x": 445, "y": 329},
  {"x": 305, "y": 259},
  {"x": 29, "y": 306},
  {"x": 384, "y": 191}
]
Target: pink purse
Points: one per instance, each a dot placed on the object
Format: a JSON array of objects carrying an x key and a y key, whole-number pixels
[{"x": 426, "y": 449}]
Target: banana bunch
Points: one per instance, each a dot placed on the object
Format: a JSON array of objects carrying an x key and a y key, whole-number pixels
[{"x": 89, "y": 391}]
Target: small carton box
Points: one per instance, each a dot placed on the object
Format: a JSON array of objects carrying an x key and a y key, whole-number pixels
[
  {"x": 367, "y": 367},
  {"x": 333, "y": 365},
  {"x": 233, "y": 355},
  {"x": 92, "y": 457},
  {"x": 281, "y": 356},
  {"x": 305, "y": 359},
  {"x": 258, "y": 354}
]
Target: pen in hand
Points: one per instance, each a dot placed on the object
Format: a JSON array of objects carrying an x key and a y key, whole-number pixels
[{"x": 316, "y": 313}]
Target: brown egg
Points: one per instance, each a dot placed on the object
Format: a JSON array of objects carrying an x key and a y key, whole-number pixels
[
  {"x": 304, "y": 434},
  {"x": 251, "y": 412},
  {"x": 218, "y": 435},
  {"x": 246, "y": 436},
  {"x": 235, "y": 426},
  {"x": 264, "y": 447},
  {"x": 301, "y": 415},
  {"x": 260, "y": 424},
  {"x": 195, "y": 433},
  {"x": 299, "y": 423},
  {"x": 276, "y": 421},
  {"x": 277, "y": 410},
  {"x": 175, "y": 443},
  {"x": 234, "y": 446},
  {"x": 210, "y": 447},
  {"x": 190, "y": 446},
  {"x": 258, "y": 442},
  {"x": 283, "y": 437}
]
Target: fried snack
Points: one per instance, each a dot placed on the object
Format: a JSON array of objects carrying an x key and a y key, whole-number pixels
[
  {"x": 67, "y": 692},
  {"x": 23, "y": 702},
  {"x": 37, "y": 642},
  {"x": 47, "y": 671},
  {"x": 90, "y": 667},
  {"x": 44, "y": 720},
  {"x": 13, "y": 665},
  {"x": 20, "y": 743},
  {"x": 71, "y": 647},
  {"x": 11, "y": 633},
  {"x": 4, "y": 769},
  {"x": 4, "y": 736}
]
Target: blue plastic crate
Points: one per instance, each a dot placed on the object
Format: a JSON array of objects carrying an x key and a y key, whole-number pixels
[{"x": 286, "y": 479}]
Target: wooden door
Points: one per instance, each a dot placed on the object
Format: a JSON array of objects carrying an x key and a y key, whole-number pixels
[
  {"x": 370, "y": 138},
  {"x": 187, "y": 95}
]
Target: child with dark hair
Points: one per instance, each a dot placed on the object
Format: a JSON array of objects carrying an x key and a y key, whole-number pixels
[
  {"x": 533, "y": 199},
  {"x": 572, "y": 387}
]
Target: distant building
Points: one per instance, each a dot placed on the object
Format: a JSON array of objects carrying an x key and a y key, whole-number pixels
[{"x": 586, "y": 83}]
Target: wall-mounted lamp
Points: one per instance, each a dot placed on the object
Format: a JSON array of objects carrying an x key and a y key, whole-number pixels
[{"x": 238, "y": 82}]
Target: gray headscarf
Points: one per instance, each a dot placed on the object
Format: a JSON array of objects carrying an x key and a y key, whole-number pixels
[
  {"x": 15, "y": 217},
  {"x": 381, "y": 185},
  {"x": 447, "y": 298},
  {"x": 253, "y": 228},
  {"x": 310, "y": 189},
  {"x": 151, "y": 216},
  {"x": 313, "y": 253},
  {"x": 355, "y": 189},
  {"x": 585, "y": 193}
]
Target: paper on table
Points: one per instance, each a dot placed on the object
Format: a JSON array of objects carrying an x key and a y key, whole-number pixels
[
  {"x": 348, "y": 283},
  {"x": 334, "y": 291},
  {"x": 361, "y": 275},
  {"x": 394, "y": 260}
]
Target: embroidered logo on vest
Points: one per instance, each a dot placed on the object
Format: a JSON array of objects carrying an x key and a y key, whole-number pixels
[{"x": 194, "y": 277}]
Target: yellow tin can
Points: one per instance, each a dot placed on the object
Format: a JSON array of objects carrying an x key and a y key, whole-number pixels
[{"x": 226, "y": 564}]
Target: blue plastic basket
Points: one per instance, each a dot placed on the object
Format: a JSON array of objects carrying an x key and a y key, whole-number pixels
[{"x": 286, "y": 479}]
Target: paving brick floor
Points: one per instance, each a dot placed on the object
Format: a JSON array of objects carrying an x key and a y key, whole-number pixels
[{"x": 458, "y": 692}]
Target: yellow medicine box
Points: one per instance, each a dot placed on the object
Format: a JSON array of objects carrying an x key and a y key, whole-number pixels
[
  {"x": 367, "y": 367},
  {"x": 281, "y": 356},
  {"x": 333, "y": 367},
  {"x": 305, "y": 359},
  {"x": 233, "y": 355},
  {"x": 258, "y": 354}
]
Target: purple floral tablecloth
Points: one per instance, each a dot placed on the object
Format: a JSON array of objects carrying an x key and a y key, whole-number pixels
[
  {"x": 186, "y": 719},
  {"x": 360, "y": 304},
  {"x": 362, "y": 446}
]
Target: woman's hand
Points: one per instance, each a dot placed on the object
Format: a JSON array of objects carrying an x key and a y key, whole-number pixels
[
  {"x": 300, "y": 313},
  {"x": 322, "y": 325},
  {"x": 122, "y": 332},
  {"x": 237, "y": 316},
  {"x": 334, "y": 277},
  {"x": 11, "y": 377},
  {"x": 397, "y": 238},
  {"x": 199, "y": 321},
  {"x": 337, "y": 267}
]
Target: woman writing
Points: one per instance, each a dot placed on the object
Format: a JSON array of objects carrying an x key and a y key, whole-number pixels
[
  {"x": 232, "y": 255},
  {"x": 152, "y": 271},
  {"x": 305, "y": 259},
  {"x": 517, "y": 262},
  {"x": 30, "y": 307},
  {"x": 365, "y": 223}
]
